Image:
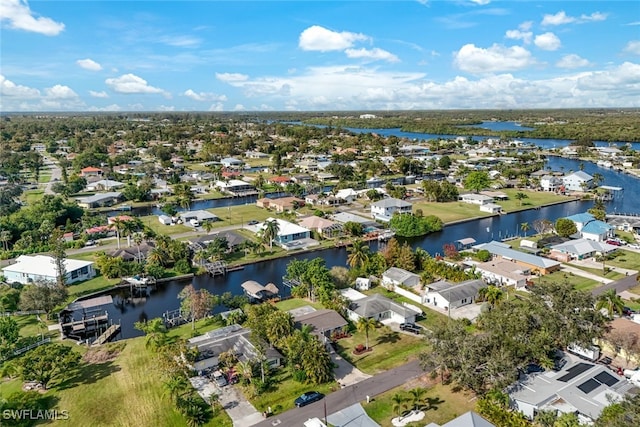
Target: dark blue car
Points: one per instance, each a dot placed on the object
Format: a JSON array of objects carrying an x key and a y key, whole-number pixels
[{"x": 308, "y": 398}]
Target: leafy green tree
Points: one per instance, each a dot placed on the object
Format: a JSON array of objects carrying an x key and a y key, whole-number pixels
[
  {"x": 477, "y": 181},
  {"x": 49, "y": 362},
  {"x": 42, "y": 296},
  {"x": 565, "y": 227},
  {"x": 410, "y": 225},
  {"x": 155, "y": 331},
  {"x": 316, "y": 362},
  {"x": 197, "y": 302},
  {"x": 279, "y": 324},
  {"x": 354, "y": 229},
  {"x": 621, "y": 414},
  {"x": 9, "y": 331}
]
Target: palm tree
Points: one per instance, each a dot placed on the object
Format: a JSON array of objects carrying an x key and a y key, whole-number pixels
[
  {"x": 358, "y": 254},
  {"x": 521, "y": 196},
  {"x": 129, "y": 227},
  {"x": 176, "y": 386},
  {"x": 245, "y": 371},
  {"x": 118, "y": 225},
  {"x": 5, "y": 238},
  {"x": 365, "y": 325},
  {"x": 137, "y": 239},
  {"x": 524, "y": 227},
  {"x": 399, "y": 404},
  {"x": 270, "y": 231},
  {"x": 611, "y": 301},
  {"x": 416, "y": 396},
  {"x": 494, "y": 295}
]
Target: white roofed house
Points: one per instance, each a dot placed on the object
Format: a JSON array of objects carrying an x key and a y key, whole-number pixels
[
  {"x": 551, "y": 183},
  {"x": 476, "y": 199},
  {"x": 500, "y": 272},
  {"x": 29, "y": 269},
  {"x": 231, "y": 162},
  {"x": 397, "y": 276},
  {"x": 382, "y": 309},
  {"x": 288, "y": 232},
  {"x": 383, "y": 210},
  {"x": 236, "y": 187},
  {"x": 578, "y": 181},
  {"x": 452, "y": 295}
]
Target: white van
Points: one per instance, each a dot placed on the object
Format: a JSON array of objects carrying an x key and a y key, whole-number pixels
[{"x": 194, "y": 222}]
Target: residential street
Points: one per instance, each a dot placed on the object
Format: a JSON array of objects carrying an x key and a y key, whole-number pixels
[{"x": 347, "y": 396}]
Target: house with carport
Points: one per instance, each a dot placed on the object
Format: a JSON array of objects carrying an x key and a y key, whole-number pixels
[
  {"x": 533, "y": 263},
  {"x": 448, "y": 295},
  {"x": 580, "y": 249}
]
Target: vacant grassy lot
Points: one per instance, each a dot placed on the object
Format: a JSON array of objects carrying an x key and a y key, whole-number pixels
[
  {"x": 534, "y": 199},
  {"x": 579, "y": 282},
  {"x": 441, "y": 404},
  {"x": 625, "y": 259}
]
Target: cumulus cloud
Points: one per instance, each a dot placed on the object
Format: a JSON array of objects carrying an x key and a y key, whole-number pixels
[
  {"x": 231, "y": 77},
  {"x": 317, "y": 38},
  {"x": 522, "y": 33},
  {"x": 633, "y": 47},
  {"x": 12, "y": 90},
  {"x": 101, "y": 94},
  {"x": 204, "y": 96},
  {"x": 218, "y": 106},
  {"x": 20, "y": 17},
  {"x": 497, "y": 58},
  {"x": 572, "y": 61},
  {"x": 562, "y": 18},
  {"x": 89, "y": 64},
  {"x": 130, "y": 83},
  {"x": 547, "y": 41},
  {"x": 60, "y": 92},
  {"x": 374, "y": 54}
]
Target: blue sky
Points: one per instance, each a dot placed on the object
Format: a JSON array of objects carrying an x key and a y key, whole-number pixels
[{"x": 317, "y": 55}]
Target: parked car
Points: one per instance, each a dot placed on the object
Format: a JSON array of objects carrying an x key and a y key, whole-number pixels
[
  {"x": 252, "y": 222},
  {"x": 219, "y": 379},
  {"x": 559, "y": 364},
  {"x": 308, "y": 398},
  {"x": 634, "y": 246},
  {"x": 627, "y": 311},
  {"x": 410, "y": 327},
  {"x": 533, "y": 368},
  {"x": 614, "y": 242}
]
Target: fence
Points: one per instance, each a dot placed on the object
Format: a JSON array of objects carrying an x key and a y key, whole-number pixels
[
  {"x": 407, "y": 294},
  {"x": 23, "y": 350}
]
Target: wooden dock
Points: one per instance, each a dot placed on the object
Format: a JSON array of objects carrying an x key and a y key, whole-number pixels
[
  {"x": 85, "y": 324},
  {"x": 216, "y": 268},
  {"x": 106, "y": 335}
]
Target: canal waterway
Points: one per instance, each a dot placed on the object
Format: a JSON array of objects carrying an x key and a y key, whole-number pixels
[{"x": 127, "y": 311}]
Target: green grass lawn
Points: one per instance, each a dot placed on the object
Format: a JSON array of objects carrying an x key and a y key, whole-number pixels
[
  {"x": 30, "y": 326},
  {"x": 152, "y": 222},
  {"x": 292, "y": 303},
  {"x": 96, "y": 284},
  {"x": 44, "y": 178},
  {"x": 625, "y": 259},
  {"x": 283, "y": 392},
  {"x": 446, "y": 404},
  {"x": 450, "y": 211},
  {"x": 534, "y": 199},
  {"x": 579, "y": 282},
  {"x": 612, "y": 275},
  {"x": 389, "y": 349},
  {"x": 32, "y": 196}
]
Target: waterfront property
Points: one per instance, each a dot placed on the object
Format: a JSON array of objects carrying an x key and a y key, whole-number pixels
[
  {"x": 29, "y": 269},
  {"x": 282, "y": 204},
  {"x": 452, "y": 295},
  {"x": 236, "y": 187},
  {"x": 384, "y": 209},
  {"x": 577, "y": 181},
  {"x": 382, "y": 309},
  {"x": 475, "y": 199},
  {"x": 591, "y": 228},
  {"x": 233, "y": 338},
  {"x": 287, "y": 231},
  {"x": 323, "y": 226},
  {"x": 99, "y": 200},
  {"x": 105, "y": 185},
  {"x": 395, "y": 276},
  {"x": 257, "y": 292},
  {"x": 580, "y": 249},
  {"x": 197, "y": 217},
  {"x": 529, "y": 261},
  {"x": 581, "y": 388},
  {"x": 137, "y": 253}
]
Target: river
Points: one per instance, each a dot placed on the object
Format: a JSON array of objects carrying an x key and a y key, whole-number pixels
[{"x": 165, "y": 297}]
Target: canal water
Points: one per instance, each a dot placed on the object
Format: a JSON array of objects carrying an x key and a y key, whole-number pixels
[{"x": 127, "y": 311}]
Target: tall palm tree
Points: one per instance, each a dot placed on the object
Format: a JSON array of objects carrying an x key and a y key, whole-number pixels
[
  {"x": 494, "y": 295},
  {"x": 416, "y": 396},
  {"x": 524, "y": 227},
  {"x": 399, "y": 404},
  {"x": 137, "y": 239},
  {"x": 365, "y": 325},
  {"x": 5, "y": 238},
  {"x": 610, "y": 301},
  {"x": 118, "y": 225},
  {"x": 270, "y": 231},
  {"x": 358, "y": 254}
]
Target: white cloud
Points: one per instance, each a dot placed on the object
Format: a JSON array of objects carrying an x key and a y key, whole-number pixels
[
  {"x": 480, "y": 2},
  {"x": 375, "y": 54},
  {"x": 317, "y": 38},
  {"x": 525, "y": 36},
  {"x": 572, "y": 61},
  {"x": 497, "y": 58},
  {"x": 20, "y": 17},
  {"x": 101, "y": 94},
  {"x": 219, "y": 106},
  {"x": 231, "y": 77},
  {"x": 166, "y": 108},
  {"x": 562, "y": 18},
  {"x": 12, "y": 90},
  {"x": 89, "y": 64},
  {"x": 112, "y": 107},
  {"x": 547, "y": 41},
  {"x": 60, "y": 92},
  {"x": 239, "y": 107},
  {"x": 204, "y": 96},
  {"x": 633, "y": 47},
  {"x": 180, "y": 41},
  {"x": 130, "y": 83}
]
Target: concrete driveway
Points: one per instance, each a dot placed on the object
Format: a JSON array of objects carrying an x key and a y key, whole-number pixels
[{"x": 345, "y": 373}]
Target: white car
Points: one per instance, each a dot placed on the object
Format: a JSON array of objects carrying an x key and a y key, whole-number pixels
[{"x": 634, "y": 246}]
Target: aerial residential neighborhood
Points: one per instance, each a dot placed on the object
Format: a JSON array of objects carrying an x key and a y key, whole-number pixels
[{"x": 287, "y": 290}]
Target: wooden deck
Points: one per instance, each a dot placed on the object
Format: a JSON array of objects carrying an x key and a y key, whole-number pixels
[{"x": 107, "y": 335}]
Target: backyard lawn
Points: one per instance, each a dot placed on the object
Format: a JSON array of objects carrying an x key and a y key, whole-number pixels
[
  {"x": 292, "y": 303},
  {"x": 441, "y": 404},
  {"x": 579, "y": 282}
]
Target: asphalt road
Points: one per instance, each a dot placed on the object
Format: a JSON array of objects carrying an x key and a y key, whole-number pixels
[{"x": 347, "y": 396}]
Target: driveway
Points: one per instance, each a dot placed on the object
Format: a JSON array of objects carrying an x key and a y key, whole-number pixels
[
  {"x": 345, "y": 373},
  {"x": 582, "y": 273}
]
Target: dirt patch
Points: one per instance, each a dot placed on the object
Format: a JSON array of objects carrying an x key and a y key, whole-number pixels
[{"x": 103, "y": 354}]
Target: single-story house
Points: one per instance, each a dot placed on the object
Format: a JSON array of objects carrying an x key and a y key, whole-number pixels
[
  {"x": 99, "y": 200},
  {"x": 384, "y": 209},
  {"x": 90, "y": 171},
  {"x": 199, "y": 215},
  {"x": 468, "y": 419},
  {"x": 500, "y": 272},
  {"x": 580, "y": 388},
  {"x": 231, "y": 162},
  {"x": 452, "y": 295},
  {"x": 395, "y": 276},
  {"x": 529, "y": 261},
  {"x": 30, "y": 269},
  {"x": 165, "y": 219},
  {"x": 235, "y": 187},
  {"x": 281, "y": 204},
  {"x": 580, "y": 249},
  {"x": 475, "y": 199},
  {"x": 347, "y": 194},
  {"x": 324, "y": 226},
  {"x": 105, "y": 185},
  {"x": 280, "y": 180},
  {"x": 134, "y": 253},
  {"x": 382, "y": 309},
  {"x": 287, "y": 231},
  {"x": 233, "y": 338},
  {"x": 491, "y": 208},
  {"x": 234, "y": 240},
  {"x": 302, "y": 179},
  {"x": 322, "y": 200},
  {"x": 323, "y": 322}
]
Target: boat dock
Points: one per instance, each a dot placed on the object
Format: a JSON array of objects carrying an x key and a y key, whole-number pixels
[{"x": 111, "y": 331}]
